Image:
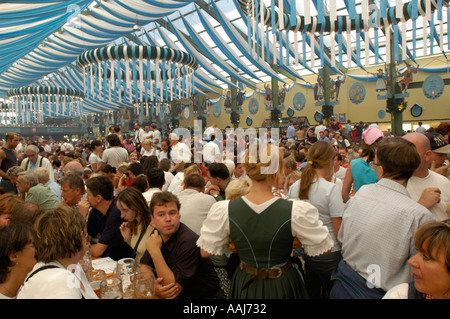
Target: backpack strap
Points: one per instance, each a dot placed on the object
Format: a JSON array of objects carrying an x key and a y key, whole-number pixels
[{"x": 40, "y": 269}]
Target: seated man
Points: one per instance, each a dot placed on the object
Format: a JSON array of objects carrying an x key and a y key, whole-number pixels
[
  {"x": 104, "y": 219},
  {"x": 26, "y": 213},
  {"x": 219, "y": 177},
  {"x": 72, "y": 191},
  {"x": 33, "y": 191},
  {"x": 155, "y": 180},
  {"x": 173, "y": 254},
  {"x": 43, "y": 176}
]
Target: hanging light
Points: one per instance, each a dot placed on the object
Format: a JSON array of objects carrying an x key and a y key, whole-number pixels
[
  {"x": 30, "y": 104},
  {"x": 138, "y": 74},
  {"x": 136, "y": 27}
]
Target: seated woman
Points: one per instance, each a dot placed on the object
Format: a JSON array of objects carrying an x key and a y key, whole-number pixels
[
  {"x": 59, "y": 238},
  {"x": 137, "y": 228},
  {"x": 16, "y": 258},
  {"x": 431, "y": 265}
]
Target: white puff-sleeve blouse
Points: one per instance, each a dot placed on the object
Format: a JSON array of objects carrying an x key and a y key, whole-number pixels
[{"x": 305, "y": 224}]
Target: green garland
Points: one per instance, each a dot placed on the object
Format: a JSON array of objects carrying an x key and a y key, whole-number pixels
[
  {"x": 328, "y": 111},
  {"x": 234, "y": 118},
  {"x": 275, "y": 115},
  {"x": 395, "y": 105}
]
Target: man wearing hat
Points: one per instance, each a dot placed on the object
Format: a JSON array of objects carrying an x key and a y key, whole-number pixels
[{"x": 440, "y": 149}]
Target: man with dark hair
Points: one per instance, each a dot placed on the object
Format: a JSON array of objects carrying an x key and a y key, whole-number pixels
[
  {"x": 8, "y": 159},
  {"x": 135, "y": 169},
  {"x": 115, "y": 154},
  {"x": 138, "y": 137},
  {"x": 379, "y": 216},
  {"x": 211, "y": 152},
  {"x": 155, "y": 178},
  {"x": 173, "y": 254},
  {"x": 104, "y": 220},
  {"x": 219, "y": 177}
]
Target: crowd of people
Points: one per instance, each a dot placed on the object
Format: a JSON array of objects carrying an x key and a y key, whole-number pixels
[{"x": 326, "y": 212}]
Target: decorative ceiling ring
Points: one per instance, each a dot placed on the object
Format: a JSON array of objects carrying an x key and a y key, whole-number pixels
[
  {"x": 136, "y": 52},
  {"x": 125, "y": 74},
  {"x": 34, "y": 90},
  {"x": 29, "y": 104}
]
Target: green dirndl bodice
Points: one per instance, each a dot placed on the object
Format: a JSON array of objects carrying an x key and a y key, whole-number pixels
[{"x": 264, "y": 240}]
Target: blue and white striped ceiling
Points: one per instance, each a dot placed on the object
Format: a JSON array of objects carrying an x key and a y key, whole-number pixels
[{"x": 40, "y": 40}]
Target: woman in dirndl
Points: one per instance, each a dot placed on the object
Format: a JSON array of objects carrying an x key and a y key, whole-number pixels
[{"x": 263, "y": 228}]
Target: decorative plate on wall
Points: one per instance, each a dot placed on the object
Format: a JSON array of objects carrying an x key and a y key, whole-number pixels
[
  {"x": 318, "y": 116},
  {"x": 433, "y": 87},
  {"x": 253, "y": 106},
  {"x": 299, "y": 101},
  {"x": 416, "y": 110},
  {"x": 357, "y": 93}
]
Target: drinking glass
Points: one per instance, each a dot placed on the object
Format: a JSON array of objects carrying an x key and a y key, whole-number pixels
[
  {"x": 126, "y": 268},
  {"x": 95, "y": 277},
  {"x": 111, "y": 288},
  {"x": 86, "y": 262},
  {"x": 144, "y": 285}
]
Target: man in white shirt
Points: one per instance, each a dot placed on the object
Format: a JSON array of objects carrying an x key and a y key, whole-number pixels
[
  {"x": 426, "y": 187},
  {"x": 156, "y": 136},
  {"x": 319, "y": 128},
  {"x": 35, "y": 160},
  {"x": 155, "y": 179},
  {"x": 210, "y": 130},
  {"x": 195, "y": 204},
  {"x": 180, "y": 152},
  {"x": 115, "y": 154},
  {"x": 46, "y": 147},
  {"x": 67, "y": 147},
  {"x": 421, "y": 129},
  {"x": 138, "y": 136},
  {"x": 147, "y": 133},
  {"x": 211, "y": 151}
]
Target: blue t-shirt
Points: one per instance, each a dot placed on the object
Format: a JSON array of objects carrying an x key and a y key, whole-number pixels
[{"x": 362, "y": 173}]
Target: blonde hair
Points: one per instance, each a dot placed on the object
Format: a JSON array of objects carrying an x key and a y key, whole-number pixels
[
  {"x": 123, "y": 168},
  {"x": 238, "y": 187},
  {"x": 296, "y": 174},
  {"x": 263, "y": 162},
  {"x": 148, "y": 142},
  {"x": 319, "y": 156}
]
